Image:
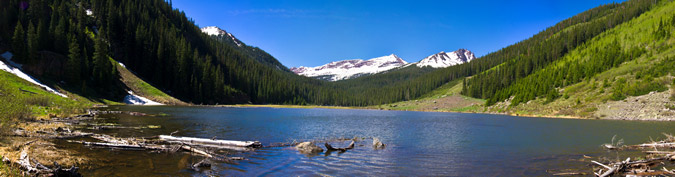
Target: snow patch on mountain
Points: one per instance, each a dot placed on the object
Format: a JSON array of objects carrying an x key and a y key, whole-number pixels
[
  {"x": 443, "y": 59},
  {"x": 215, "y": 31},
  {"x": 122, "y": 64},
  {"x": 134, "y": 99},
  {"x": 16, "y": 70},
  {"x": 347, "y": 69}
]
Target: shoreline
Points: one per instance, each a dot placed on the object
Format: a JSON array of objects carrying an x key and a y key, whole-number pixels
[
  {"x": 469, "y": 112},
  {"x": 370, "y": 108}
]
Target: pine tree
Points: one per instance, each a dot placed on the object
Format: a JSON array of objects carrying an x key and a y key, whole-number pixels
[
  {"x": 33, "y": 46},
  {"x": 101, "y": 64},
  {"x": 60, "y": 38},
  {"x": 42, "y": 34},
  {"x": 85, "y": 65},
  {"x": 73, "y": 67},
  {"x": 19, "y": 43},
  {"x": 111, "y": 21}
]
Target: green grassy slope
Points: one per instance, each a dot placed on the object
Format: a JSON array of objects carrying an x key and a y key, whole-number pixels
[
  {"x": 142, "y": 88},
  {"x": 446, "y": 98},
  {"x": 20, "y": 99}
]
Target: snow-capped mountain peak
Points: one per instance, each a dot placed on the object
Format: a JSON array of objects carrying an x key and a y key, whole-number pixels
[
  {"x": 443, "y": 59},
  {"x": 215, "y": 31},
  {"x": 346, "y": 69}
]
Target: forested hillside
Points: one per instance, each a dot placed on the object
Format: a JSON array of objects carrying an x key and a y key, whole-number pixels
[
  {"x": 633, "y": 59},
  {"x": 527, "y": 57},
  {"x": 253, "y": 52}
]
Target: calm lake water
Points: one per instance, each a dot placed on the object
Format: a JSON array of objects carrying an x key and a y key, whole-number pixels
[{"x": 418, "y": 143}]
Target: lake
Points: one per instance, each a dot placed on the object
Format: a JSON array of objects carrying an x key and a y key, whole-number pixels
[{"x": 418, "y": 143}]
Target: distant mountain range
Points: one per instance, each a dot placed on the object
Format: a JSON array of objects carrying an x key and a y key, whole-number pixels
[
  {"x": 348, "y": 69},
  {"x": 442, "y": 59},
  {"x": 345, "y": 69}
]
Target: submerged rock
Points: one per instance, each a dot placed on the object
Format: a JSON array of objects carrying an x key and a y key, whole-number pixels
[
  {"x": 377, "y": 144},
  {"x": 308, "y": 148}
]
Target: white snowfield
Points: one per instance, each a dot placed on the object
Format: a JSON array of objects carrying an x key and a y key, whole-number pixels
[
  {"x": 16, "y": 70},
  {"x": 442, "y": 59},
  {"x": 134, "y": 99},
  {"x": 346, "y": 69}
]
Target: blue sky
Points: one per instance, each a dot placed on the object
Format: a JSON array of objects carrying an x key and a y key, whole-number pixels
[{"x": 315, "y": 32}]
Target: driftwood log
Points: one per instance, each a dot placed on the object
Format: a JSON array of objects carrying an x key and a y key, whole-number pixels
[
  {"x": 192, "y": 140},
  {"x": 33, "y": 168}
]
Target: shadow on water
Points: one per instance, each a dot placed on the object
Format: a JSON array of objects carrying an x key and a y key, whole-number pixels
[{"x": 418, "y": 143}]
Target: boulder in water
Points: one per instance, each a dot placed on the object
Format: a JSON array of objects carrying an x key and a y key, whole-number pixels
[
  {"x": 308, "y": 148},
  {"x": 377, "y": 144}
]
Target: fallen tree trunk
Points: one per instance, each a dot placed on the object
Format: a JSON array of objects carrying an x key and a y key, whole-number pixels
[
  {"x": 657, "y": 145},
  {"x": 569, "y": 174},
  {"x": 234, "y": 148},
  {"x": 660, "y": 152},
  {"x": 610, "y": 169},
  {"x": 24, "y": 162},
  {"x": 209, "y": 154},
  {"x": 210, "y": 141},
  {"x": 191, "y": 149},
  {"x": 127, "y": 146}
]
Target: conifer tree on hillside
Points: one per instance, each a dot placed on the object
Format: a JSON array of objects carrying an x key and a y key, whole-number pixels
[
  {"x": 19, "y": 43},
  {"x": 32, "y": 40},
  {"x": 101, "y": 69},
  {"x": 73, "y": 67}
]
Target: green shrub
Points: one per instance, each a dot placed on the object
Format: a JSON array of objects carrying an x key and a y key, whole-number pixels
[
  {"x": 551, "y": 96},
  {"x": 618, "y": 90},
  {"x": 670, "y": 106},
  {"x": 38, "y": 100},
  {"x": 645, "y": 86}
]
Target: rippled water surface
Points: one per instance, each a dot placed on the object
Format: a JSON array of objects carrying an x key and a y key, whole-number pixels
[{"x": 418, "y": 143}]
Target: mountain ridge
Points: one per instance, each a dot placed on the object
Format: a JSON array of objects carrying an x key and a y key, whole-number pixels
[
  {"x": 253, "y": 52},
  {"x": 443, "y": 59},
  {"x": 345, "y": 69},
  {"x": 353, "y": 68}
]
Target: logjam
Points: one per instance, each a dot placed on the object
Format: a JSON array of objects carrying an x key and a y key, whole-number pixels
[
  {"x": 642, "y": 167},
  {"x": 143, "y": 144}
]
